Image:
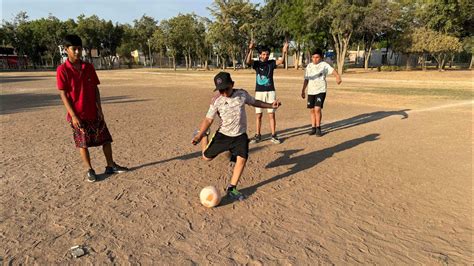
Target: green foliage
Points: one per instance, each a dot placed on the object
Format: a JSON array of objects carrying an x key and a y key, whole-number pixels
[
  {"x": 436, "y": 27},
  {"x": 439, "y": 45},
  {"x": 343, "y": 17},
  {"x": 441, "y": 16},
  {"x": 233, "y": 28},
  {"x": 143, "y": 31}
]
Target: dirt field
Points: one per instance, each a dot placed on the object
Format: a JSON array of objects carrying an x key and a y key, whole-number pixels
[{"x": 389, "y": 183}]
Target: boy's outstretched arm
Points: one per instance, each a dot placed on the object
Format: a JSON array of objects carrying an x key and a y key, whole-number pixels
[
  {"x": 205, "y": 124},
  {"x": 283, "y": 56},
  {"x": 338, "y": 77},
  {"x": 248, "y": 58},
  {"x": 76, "y": 122}
]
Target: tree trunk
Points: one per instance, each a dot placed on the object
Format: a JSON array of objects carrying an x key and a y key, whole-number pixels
[
  {"x": 423, "y": 62},
  {"x": 367, "y": 58},
  {"x": 190, "y": 61},
  {"x": 233, "y": 62},
  {"x": 223, "y": 62},
  {"x": 408, "y": 62},
  {"x": 472, "y": 58},
  {"x": 341, "y": 43},
  {"x": 174, "y": 63},
  {"x": 297, "y": 56}
]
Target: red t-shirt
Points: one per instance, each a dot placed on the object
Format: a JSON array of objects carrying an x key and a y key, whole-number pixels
[{"x": 80, "y": 88}]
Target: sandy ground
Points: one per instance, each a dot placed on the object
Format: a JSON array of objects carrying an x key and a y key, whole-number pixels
[{"x": 389, "y": 183}]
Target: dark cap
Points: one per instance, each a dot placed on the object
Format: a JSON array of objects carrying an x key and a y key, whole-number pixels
[{"x": 222, "y": 81}]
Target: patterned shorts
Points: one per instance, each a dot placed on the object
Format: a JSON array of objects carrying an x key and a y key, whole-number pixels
[{"x": 93, "y": 133}]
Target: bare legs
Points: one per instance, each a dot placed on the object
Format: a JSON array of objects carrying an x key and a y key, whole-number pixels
[
  {"x": 272, "y": 119},
  {"x": 316, "y": 116},
  {"x": 86, "y": 158},
  {"x": 239, "y": 164}
]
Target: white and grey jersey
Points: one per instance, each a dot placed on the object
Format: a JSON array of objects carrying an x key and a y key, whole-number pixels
[
  {"x": 316, "y": 76},
  {"x": 231, "y": 111}
]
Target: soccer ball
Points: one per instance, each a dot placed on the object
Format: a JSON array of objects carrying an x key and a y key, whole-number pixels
[{"x": 210, "y": 196}]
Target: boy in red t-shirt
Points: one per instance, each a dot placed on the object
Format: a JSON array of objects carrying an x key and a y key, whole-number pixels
[{"x": 77, "y": 84}]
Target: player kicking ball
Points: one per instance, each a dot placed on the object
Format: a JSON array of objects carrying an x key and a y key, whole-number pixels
[{"x": 229, "y": 105}]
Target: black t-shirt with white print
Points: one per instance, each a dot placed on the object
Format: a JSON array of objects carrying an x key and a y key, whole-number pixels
[{"x": 264, "y": 71}]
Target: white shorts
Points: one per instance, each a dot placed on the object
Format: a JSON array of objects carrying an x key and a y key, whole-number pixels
[{"x": 266, "y": 97}]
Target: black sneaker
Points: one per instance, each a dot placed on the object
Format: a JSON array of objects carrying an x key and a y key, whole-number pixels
[
  {"x": 115, "y": 169},
  {"x": 313, "y": 131},
  {"x": 91, "y": 176},
  {"x": 318, "y": 132},
  {"x": 234, "y": 194},
  {"x": 275, "y": 139},
  {"x": 256, "y": 139}
]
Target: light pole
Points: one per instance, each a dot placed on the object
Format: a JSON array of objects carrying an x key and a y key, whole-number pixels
[{"x": 149, "y": 53}]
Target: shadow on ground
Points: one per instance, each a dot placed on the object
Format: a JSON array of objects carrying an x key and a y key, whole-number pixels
[
  {"x": 22, "y": 102},
  {"x": 341, "y": 124},
  {"x": 306, "y": 161},
  {"x": 11, "y": 79},
  {"x": 184, "y": 157}
]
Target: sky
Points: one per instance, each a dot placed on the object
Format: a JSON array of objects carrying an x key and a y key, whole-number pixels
[{"x": 121, "y": 11}]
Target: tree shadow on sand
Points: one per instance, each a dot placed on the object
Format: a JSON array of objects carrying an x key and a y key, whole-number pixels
[
  {"x": 343, "y": 124},
  {"x": 22, "y": 102},
  {"x": 306, "y": 161},
  {"x": 11, "y": 79}
]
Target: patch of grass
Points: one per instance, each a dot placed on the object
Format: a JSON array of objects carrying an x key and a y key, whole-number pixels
[{"x": 458, "y": 94}]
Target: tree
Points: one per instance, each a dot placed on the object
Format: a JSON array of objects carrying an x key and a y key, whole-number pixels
[
  {"x": 378, "y": 21},
  {"x": 89, "y": 29},
  {"x": 185, "y": 28},
  {"x": 233, "y": 26},
  {"x": 291, "y": 21},
  {"x": 158, "y": 41},
  {"x": 203, "y": 45},
  {"x": 20, "y": 36},
  {"x": 468, "y": 46},
  {"x": 48, "y": 34},
  {"x": 144, "y": 29},
  {"x": 171, "y": 39},
  {"x": 128, "y": 44},
  {"x": 441, "y": 16},
  {"x": 110, "y": 40},
  {"x": 343, "y": 17},
  {"x": 440, "y": 46}
]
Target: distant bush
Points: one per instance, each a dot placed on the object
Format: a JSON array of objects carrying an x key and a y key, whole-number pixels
[{"x": 389, "y": 68}]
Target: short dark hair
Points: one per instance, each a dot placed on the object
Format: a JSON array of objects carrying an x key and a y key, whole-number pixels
[
  {"x": 72, "y": 40},
  {"x": 317, "y": 51},
  {"x": 263, "y": 48}
]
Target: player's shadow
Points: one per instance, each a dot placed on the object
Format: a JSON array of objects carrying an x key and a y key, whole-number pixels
[
  {"x": 184, "y": 157},
  {"x": 306, "y": 161},
  {"x": 344, "y": 123}
]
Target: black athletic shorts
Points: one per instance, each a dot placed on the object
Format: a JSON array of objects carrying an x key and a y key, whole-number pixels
[
  {"x": 316, "y": 100},
  {"x": 219, "y": 143}
]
